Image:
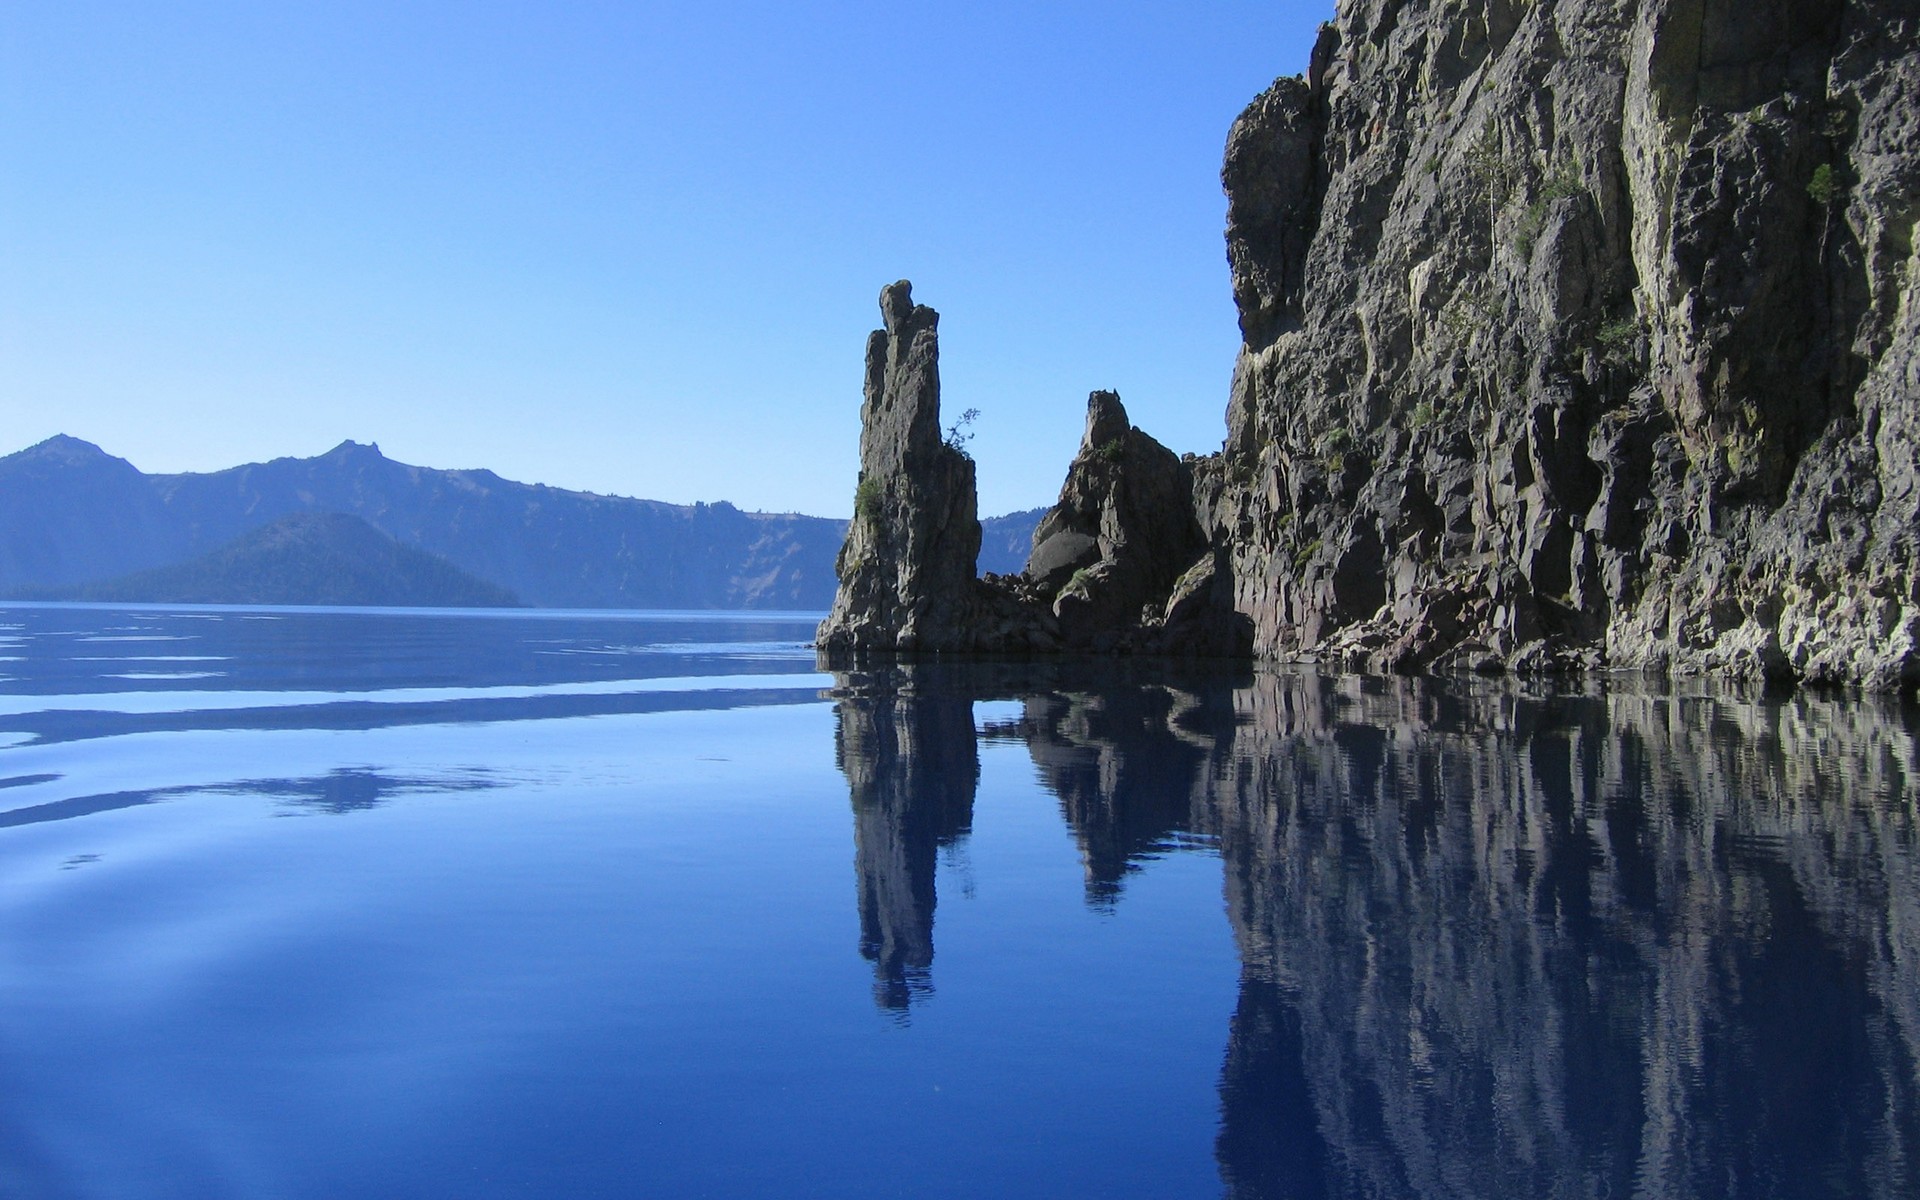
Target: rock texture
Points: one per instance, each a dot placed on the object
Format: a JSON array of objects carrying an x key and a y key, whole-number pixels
[
  {"x": 1121, "y": 562},
  {"x": 907, "y": 569},
  {"x": 1582, "y": 333},
  {"x": 1575, "y": 334},
  {"x": 1123, "y": 529},
  {"x": 1119, "y": 565}
]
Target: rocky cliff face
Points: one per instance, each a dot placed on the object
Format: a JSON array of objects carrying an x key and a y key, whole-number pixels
[
  {"x": 1576, "y": 334},
  {"x": 1123, "y": 530},
  {"x": 1582, "y": 333}
]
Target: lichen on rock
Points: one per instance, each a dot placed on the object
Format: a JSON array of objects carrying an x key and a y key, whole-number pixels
[{"x": 1558, "y": 353}]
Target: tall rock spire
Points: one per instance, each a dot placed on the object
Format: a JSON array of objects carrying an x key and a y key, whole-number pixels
[{"x": 907, "y": 571}]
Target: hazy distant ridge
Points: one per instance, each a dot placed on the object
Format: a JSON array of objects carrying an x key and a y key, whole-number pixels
[
  {"x": 303, "y": 558},
  {"x": 70, "y": 513}
]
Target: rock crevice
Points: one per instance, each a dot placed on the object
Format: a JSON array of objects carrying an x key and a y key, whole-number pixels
[{"x": 1601, "y": 351}]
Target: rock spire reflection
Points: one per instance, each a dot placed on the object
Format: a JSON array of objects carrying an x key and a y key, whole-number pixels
[
  {"x": 906, "y": 744},
  {"x": 1122, "y": 760},
  {"x": 1493, "y": 941}
]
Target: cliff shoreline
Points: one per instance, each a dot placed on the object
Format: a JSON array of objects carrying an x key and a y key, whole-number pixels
[{"x": 1576, "y": 335}]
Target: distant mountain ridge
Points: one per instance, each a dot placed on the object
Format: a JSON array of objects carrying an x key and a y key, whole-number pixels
[
  {"x": 1006, "y": 542},
  {"x": 302, "y": 558},
  {"x": 70, "y": 513}
]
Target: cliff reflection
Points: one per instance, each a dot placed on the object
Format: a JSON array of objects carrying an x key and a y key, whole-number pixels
[
  {"x": 1494, "y": 942},
  {"x": 1604, "y": 944},
  {"x": 1123, "y": 758}
]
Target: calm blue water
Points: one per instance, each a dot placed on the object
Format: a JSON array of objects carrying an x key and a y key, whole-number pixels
[{"x": 299, "y": 903}]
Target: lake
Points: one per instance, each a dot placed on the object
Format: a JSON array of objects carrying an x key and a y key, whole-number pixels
[{"x": 374, "y": 903}]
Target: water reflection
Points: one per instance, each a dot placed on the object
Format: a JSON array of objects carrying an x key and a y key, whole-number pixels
[
  {"x": 1122, "y": 760},
  {"x": 339, "y": 791},
  {"x": 1493, "y": 941},
  {"x": 905, "y": 741}
]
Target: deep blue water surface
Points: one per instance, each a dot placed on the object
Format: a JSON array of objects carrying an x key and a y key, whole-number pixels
[{"x": 307, "y": 903}]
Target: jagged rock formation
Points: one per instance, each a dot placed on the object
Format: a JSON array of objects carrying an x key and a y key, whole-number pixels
[
  {"x": 1582, "y": 333},
  {"x": 907, "y": 569},
  {"x": 1119, "y": 564},
  {"x": 1575, "y": 334},
  {"x": 1107, "y": 558}
]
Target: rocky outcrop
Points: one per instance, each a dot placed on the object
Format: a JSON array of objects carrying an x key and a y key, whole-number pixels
[
  {"x": 1119, "y": 565},
  {"x": 1121, "y": 561},
  {"x": 1574, "y": 335},
  {"x": 907, "y": 568},
  {"x": 1122, "y": 532},
  {"x": 1582, "y": 334}
]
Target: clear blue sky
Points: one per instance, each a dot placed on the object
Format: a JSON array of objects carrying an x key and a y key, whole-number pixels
[{"x": 625, "y": 247}]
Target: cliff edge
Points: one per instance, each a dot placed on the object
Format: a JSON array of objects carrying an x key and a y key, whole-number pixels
[
  {"x": 1575, "y": 334},
  {"x": 1582, "y": 333}
]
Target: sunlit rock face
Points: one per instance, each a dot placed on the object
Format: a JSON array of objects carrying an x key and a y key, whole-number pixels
[
  {"x": 1119, "y": 565},
  {"x": 1573, "y": 334},
  {"x": 1582, "y": 332},
  {"x": 1121, "y": 560}
]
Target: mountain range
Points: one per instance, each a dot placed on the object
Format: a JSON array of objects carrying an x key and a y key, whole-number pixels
[
  {"x": 77, "y": 521},
  {"x": 302, "y": 558}
]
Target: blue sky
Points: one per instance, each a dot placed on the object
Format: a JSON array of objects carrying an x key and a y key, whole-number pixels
[{"x": 628, "y": 248}]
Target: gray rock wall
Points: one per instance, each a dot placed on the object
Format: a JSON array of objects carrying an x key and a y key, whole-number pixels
[
  {"x": 1109, "y": 557},
  {"x": 1582, "y": 333},
  {"x": 1119, "y": 564}
]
